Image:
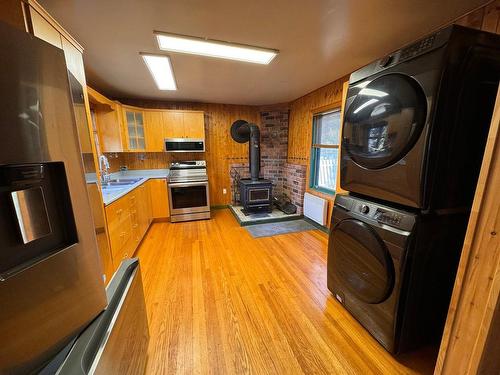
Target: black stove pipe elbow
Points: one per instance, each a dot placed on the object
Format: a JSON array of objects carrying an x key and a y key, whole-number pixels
[{"x": 242, "y": 132}]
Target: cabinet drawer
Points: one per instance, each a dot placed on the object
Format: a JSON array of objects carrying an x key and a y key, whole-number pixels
[
  {"x": 117, "y": 210},
  {"x": 119, "y": 220},
  {"x": 120, "y": 236},
  {"x": 128, "y": 219}
]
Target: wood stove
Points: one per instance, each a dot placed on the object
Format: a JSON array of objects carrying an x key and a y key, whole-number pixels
[{"x": 256, "y": 195}]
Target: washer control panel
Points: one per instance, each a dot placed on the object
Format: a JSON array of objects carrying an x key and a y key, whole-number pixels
[
  {"x": 388, "y": 217},
  {"x": 376, "y": 212}
]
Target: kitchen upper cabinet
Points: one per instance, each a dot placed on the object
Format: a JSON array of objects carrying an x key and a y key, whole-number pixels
[
  {"x": 194, "y": 125},
  {"x": 109, "y": 128},
  {"x": 163, "y": 124},
  {"x": 74, "y": 63},
  {"x": 124, "y": 128},
  {"x": 184, "y": 124},
  {"x": 159, "y": 198},
  {"x": 108, "y": 122},
  {"x": 134, "y": 127},
  {"x": 154, "y": 131},
  {"x": 44, "y": 30},
  {"x": 173, "y": 123}
]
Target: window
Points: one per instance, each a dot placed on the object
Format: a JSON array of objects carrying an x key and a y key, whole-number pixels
[{"x": 325, "y": 151}]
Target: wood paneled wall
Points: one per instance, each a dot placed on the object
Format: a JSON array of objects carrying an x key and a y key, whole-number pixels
[
  {"x": 300, "y": 123},
  {"x": 300, "y": 127},
  {"x": 486, "y": 18},
  {"x": 221, "y": 150}
]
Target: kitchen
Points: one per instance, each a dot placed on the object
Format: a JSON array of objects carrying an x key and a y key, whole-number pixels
[{"x": 211, "y": 209}]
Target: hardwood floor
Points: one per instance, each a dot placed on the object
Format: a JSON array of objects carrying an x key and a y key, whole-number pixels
[{"x": 221, "y": 302}]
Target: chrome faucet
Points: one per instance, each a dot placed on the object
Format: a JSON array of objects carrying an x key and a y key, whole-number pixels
[{"x": 104, "y": 168}]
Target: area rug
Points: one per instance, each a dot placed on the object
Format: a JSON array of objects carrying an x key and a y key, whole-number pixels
[{"x": 273, "y": 229}]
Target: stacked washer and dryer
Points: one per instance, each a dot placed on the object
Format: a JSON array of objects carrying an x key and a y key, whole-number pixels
[{"x": 413, "y": 136}]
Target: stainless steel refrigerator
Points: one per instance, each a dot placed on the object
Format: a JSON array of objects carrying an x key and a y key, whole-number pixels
[{"x": 51, "y": 287}]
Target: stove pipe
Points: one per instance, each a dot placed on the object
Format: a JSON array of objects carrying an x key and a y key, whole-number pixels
[{"x": 242, "y": 132}]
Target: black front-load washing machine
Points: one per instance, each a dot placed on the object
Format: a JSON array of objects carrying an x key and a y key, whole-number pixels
[
  {"x": 416, "y": 121},
  {"x": 394, "y": 270}
]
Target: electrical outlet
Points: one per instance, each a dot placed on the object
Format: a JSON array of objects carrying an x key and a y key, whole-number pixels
[{"x": 224, "y": 191}]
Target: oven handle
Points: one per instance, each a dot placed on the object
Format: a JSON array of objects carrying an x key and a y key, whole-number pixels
[{"x": 187, "y": 184}]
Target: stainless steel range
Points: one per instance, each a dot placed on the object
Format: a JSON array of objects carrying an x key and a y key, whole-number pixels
[{"x": 188, "y": 191}]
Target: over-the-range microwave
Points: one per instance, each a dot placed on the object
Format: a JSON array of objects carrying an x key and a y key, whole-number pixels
[{"x": 184, "y": 145}]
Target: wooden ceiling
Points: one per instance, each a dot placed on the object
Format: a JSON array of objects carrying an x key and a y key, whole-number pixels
[{"x": 319, "y": 41}]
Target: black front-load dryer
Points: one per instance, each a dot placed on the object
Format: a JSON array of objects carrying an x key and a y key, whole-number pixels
[
  {"x": 393, "y": 270},
  {"x": 416, "y": 121}
]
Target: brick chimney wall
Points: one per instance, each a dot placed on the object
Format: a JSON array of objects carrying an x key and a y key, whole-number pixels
[{"x": 289, "y": 179}]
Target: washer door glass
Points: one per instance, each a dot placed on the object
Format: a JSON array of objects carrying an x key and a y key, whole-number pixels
[
  {"x": 384, "y": 121},
  {"x": 361, "y": 260}
]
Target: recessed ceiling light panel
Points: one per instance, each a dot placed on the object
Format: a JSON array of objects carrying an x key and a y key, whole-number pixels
[
  {"x": 161, "y": 69},
  {"x": 212, "y": 48}
]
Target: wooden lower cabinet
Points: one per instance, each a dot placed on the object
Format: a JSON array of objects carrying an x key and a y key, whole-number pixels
[
  {"x": 159, "y": 198},
  {"x": 128, "y": 220},
  {"x": 120, "y": 230}
]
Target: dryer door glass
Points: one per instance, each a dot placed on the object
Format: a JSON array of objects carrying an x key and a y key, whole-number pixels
[
  {"x": 362, "y": 261},
  {"x": 384, "y": 121}
]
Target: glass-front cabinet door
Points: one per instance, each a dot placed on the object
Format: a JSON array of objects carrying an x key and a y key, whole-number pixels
[
  {"x": 135, "y": 130},
  {"x": 139, "y": 123}
]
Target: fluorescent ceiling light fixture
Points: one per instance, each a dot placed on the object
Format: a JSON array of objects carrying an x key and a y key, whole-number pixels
[
  {"x": 161, "y": 69},
  {"x": 213, "y": 48}
]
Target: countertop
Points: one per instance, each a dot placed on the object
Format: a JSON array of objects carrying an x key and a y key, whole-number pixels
[{"x": 109, "y": 196}]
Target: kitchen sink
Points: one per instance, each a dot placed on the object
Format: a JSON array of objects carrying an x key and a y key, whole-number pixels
[
  {"x": 121, "y": 182},
  {"x": 110, "y": 188}
]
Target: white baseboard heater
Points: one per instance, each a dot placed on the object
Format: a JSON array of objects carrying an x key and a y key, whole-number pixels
[{"x": 315, "y": 208}]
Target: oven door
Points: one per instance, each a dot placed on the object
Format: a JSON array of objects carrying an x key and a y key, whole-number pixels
[{"x": 188, "y": 197}]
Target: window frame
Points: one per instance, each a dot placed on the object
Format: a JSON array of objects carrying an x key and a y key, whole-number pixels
[{"x": 315, "y": 147}]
